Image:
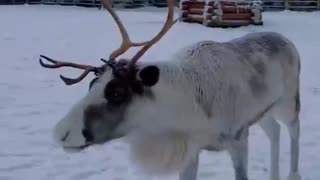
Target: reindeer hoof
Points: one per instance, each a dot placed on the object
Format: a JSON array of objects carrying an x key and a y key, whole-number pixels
[{"x": 294, "y": 176}]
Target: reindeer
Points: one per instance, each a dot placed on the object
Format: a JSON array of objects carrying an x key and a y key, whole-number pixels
[{"x": 206, "y": 97}]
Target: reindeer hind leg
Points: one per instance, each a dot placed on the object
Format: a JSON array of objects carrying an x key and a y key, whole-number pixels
[
  {"x": 272, "y": 129},
  {"x": 288, "y": 113}
]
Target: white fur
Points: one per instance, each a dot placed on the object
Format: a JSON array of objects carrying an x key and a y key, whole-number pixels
[
  {"x": 167, "y": 133},
  {"x": 72, "y": 123},
  {"x": 171, "y": 152},
  {"x": 70, "y": 128}
]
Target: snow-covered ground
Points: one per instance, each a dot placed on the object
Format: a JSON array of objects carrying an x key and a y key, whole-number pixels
[{"x": 32, "y": 99}]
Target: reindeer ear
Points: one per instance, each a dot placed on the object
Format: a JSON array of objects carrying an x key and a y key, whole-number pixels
[{"x": 149, "y": 75}]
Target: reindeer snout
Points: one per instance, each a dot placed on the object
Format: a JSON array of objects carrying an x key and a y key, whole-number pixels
[
  {"x": 63, "y": 138},
  {"x": 68, "y": 134}
]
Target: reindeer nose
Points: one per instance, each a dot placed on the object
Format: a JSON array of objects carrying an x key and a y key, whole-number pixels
[
  {"x": 65, "y": 136},
  {"x": 88, "y": 135}
]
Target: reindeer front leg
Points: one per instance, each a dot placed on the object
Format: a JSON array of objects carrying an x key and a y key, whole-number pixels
[
  {"x": 190, "y": 172},
  {"x": 238, "y": 150}
]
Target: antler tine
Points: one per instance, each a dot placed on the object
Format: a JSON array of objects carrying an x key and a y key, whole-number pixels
[
  {"x": 126, "y": 42},
  {"x": 58, "y": 64},
  {"x": 168, "y": 24},
  {"x": 68, "y": 81}
]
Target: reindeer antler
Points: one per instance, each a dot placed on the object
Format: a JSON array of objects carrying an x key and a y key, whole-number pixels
[
  {"x": 126, "y": 42},
  {"x": 168, "y": 24},
  {"x": 69, "y": 81},
  {"x": 125, "y": 45}
]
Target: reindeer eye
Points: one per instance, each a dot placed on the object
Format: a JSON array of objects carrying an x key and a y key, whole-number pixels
[{"x": 116, "y": 93}]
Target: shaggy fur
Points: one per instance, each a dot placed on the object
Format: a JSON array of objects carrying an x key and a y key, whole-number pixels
[
  {"x": 162, "y": 154},
  {"x": 206, "y": 94}
]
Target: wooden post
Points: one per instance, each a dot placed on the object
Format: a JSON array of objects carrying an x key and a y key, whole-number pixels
[{"x": 286, "y": 4}]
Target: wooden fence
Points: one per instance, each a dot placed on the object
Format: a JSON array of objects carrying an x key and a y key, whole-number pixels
[
  {"x": 268, "y": 5},
  {"x": 89, "y": 3},
  {"x": 297, "y": 5}
]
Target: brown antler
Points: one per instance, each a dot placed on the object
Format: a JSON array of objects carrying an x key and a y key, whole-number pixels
[
  {"x": 126, "y": 42},
  {"x": 125, "y": 45},
  {"x": 168, "y": 24},
  {"x": 69, "y": 81}
]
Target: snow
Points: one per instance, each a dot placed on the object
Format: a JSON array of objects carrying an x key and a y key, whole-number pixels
[{"x": 32, "y": 99}]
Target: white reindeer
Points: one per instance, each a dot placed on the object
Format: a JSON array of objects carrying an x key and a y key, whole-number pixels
[{"x": 205, "y": 97}]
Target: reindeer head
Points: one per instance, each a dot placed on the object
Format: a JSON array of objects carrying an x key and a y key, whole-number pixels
[{"x": 97, "y": 117}]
